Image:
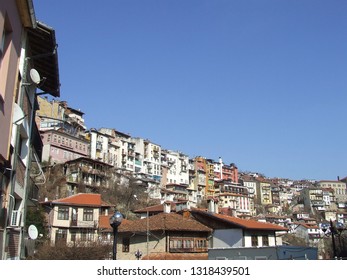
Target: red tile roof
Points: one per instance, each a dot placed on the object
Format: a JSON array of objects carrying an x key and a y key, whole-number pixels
[
  {"x": 104, "y": 223},
  {"x": 81, "y": 199},
  {"x": 156, "y": 208},
  {"x": 238, "y": 222},
  {"x": 164, "y": 221}
]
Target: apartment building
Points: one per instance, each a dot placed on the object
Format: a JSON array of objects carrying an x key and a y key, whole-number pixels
[
  {"x": 339, "y": 187},
  {"x": 263, "y": 192},
  {"x": 57, "y": 115},
  {"x": 176, "y": 169},
  {"x": 148, "y": 158},
  {"x": 59, "y": 147},
  {"x": 223, "y": 171},
  {"x": 87, "y": 175},
  {"x": 313, "y": 199},
  {"x": 28, "y": 55}
]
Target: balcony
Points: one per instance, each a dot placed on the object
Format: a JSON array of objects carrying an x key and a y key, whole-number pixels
[
  {"x": 83, "y": 224},
  {"x": 188, "y": 245}
]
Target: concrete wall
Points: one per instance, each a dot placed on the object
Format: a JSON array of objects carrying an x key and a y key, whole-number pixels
[
  {"x": 268, "y": 253},
  {"x": 227, "y": 238}
]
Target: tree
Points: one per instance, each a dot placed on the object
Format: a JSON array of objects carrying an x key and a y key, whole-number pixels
[
  {"x": 293, "y": 240},
  {"x": 75, "y": 251}
]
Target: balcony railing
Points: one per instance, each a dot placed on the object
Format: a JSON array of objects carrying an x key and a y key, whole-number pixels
[
  {"x": 188, "y": 244},
  {"x": 83, "y": 224}
]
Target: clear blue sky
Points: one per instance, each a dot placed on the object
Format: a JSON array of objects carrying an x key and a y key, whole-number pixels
[{"x": 261, "y": 83}]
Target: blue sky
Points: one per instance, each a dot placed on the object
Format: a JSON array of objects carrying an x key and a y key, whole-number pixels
[{"x": 260, "y": 83}]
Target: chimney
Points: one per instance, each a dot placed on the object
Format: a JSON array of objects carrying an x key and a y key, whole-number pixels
[
  {"x": 167, "y": 207},
  {"x": 211, "y": 205},
  {"x": 216, "y": 210}
]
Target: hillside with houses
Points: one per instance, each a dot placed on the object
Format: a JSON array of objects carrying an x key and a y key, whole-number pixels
[
  {"x": 62, "y": 183},
  {"x": 139, "y": 178}
]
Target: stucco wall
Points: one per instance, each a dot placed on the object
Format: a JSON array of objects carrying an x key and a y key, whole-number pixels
[{"x": 223, "y": 238}]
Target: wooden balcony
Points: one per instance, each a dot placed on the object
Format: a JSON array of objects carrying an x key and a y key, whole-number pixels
[{"x": 188, "y": 245}]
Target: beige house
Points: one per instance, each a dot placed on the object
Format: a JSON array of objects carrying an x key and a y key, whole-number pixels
[{"x": 76, "y": 218}]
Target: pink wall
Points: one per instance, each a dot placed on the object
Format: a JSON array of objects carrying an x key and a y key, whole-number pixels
[{"x": 10, "y": 21}]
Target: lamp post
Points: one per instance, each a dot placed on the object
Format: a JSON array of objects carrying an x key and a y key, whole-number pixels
[
  {"x": 115, "y": 220},
  {"x": 336, "y": 229},
  {"x": 333, "y": 232}
]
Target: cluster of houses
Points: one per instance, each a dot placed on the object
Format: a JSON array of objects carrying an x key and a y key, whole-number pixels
[
  {"x": 41, "y": 134},
  {"x": 164, "y": 232}
]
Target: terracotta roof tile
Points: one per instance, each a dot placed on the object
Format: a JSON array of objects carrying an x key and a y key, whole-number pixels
[
  {"x": 242, "y": 223},
  {"x": 164, "y": 221},
  {"x": 104, "y": 223},
  {"x": 156, "y": 208},
  {"x": 83, "y": 199}
]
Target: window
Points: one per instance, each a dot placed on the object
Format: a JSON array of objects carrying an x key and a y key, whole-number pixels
[
  {"x": 126, "y": 244},
  {"x": 2, "y": 45},
  {"x": 60, "y": 234},
  {"x": 87, "y": 214},
  {"x": 201, "y": 243},
  {"x": 265, "y": 240},
  {"x": 254, "y": 239},
  {"x": 87, "y": 236},
  {"x": 187, "y": 244},
  {"x": 73, "y": 236},
  {"x": 5, "y": 39},
  {"x": 63, "y": 213}
]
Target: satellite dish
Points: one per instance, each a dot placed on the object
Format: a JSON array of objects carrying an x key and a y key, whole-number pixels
[
  {"x": 18, "y": 114},
  {"x": 35, "y": 76},
  {"x": 33, "y": 232}
]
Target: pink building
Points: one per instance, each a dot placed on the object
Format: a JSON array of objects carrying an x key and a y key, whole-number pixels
[
  {"x": 60, "y": 147},
  {"x": 27, "y": 55},
  {"x": 13, "y": 18}
]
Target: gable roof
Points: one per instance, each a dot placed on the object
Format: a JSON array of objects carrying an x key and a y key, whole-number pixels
[
  {"x": 234, "y": 222},
  {"x": 104, "y": 223},
  {"x": 164, "y": 221},
  {"x": 156, "y": 208},
  {"x": 81, "y": 199}
]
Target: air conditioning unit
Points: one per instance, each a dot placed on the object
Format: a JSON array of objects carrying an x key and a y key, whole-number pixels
[{"x": 15, "y": 218}]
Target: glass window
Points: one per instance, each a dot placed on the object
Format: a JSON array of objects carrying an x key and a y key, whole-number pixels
[
  {"x": 126, "y": 244},
  {"x": 254, "y": 241},
  {"x": 265, "y": 240},
  {"x": 61, "y": 234},
  {"x": 87, "y": 214},
  {"x": 63, "y": 213},
  {"x": 87, "y": 236},
  {"x": 73, "y": 235}
]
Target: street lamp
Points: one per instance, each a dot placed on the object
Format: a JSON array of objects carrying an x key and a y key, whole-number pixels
[
  {"x": 115, "y": 220},
  {"x": 335, "y": 229}
]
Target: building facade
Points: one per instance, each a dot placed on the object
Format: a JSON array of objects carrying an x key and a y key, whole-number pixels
[
  {"x": 76, "y": 218},
  {"x": 28, "y": 55}
]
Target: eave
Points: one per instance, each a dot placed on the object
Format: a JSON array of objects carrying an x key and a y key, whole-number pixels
[{"x": 43, "y": 57}]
